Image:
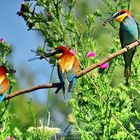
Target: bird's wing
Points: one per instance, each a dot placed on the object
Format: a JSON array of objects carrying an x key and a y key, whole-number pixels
[
  {"x": 66, "y": 62},
  {"x": 67, "y": 67},
  {"x": 138, "y": 25},
  {"x": 61, "y": 76},
  {"x": 66, "y": 71},
  {"x": 4, "y": 89},
  {"x": 4, "y": 86},
  {"x": 121, "y": 34},
  {"x": 2, "y": 77},
  {"x": 72, "y": 75}
]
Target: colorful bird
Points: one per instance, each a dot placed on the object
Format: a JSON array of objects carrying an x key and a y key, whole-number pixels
[
  {"x": 4, "y": 83},
  {"x": 67, "y": 69},
  {"x": 128, "y": 33}
]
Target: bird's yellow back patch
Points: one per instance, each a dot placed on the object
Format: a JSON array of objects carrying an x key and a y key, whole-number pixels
[
  {"x": 2, "y": 77},
  {"x": 66, "y": 62}
]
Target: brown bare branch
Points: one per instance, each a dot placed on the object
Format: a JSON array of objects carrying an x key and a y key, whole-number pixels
[
  {"x": 108, "y": 58},
  {"x": 81, "y": 73},
  {"x": 53, "y": 85}
]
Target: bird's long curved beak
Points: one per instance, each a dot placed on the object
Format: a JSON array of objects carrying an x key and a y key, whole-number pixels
[
  {"x": 111, "y": 18},
  {"x": 11, "y": 71},
  {"x": 52, "y": 53},
  {"x": 43, "y": 55}
]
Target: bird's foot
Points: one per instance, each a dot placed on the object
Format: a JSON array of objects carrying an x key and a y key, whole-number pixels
[
  {"x": 127, "y": 47},
  {"x": 58, "y": 89}
]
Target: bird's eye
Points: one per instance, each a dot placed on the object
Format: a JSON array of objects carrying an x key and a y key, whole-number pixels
[
  {"x": 60, "y": 51},
  {"x": 116, "y": 14}
]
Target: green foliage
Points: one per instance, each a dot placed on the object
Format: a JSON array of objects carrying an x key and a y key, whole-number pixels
[
  {"x": 103, "y": 109},
  {"x": 5, "y": 49}
]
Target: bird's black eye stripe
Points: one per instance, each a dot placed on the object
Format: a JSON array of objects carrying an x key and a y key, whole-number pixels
[
  {"x": 59, "y": 51},
  {"x": 117, "y": 14}
]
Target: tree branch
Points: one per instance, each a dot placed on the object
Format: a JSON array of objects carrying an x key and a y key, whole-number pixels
[
  {"x": 81, "y": 73},
  {"x": 108, "y": 58},
  {"x": 23, "y": 91}
]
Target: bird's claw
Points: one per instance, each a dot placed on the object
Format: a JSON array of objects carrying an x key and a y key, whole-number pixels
[{"x": 127, "y": 47}]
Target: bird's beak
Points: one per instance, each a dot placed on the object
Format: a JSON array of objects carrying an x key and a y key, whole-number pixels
[
  {"x": 111, "y": 18},
  {"x": 11, "y": 71},
  {"x": 53, "y": 53},
  {"x": 43, "y": 55}
]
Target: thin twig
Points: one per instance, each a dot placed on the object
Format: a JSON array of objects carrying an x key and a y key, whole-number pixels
[{"x": 81, "y": 73}]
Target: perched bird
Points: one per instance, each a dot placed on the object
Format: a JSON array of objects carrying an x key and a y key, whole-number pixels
[
  {"x": 128, "y": 33},
  {"x": 4, "y": 83},
  {"x": 67, "y": 69}
]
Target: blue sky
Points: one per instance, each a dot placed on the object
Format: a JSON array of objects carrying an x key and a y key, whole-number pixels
[{"x": 15, "y": 32}]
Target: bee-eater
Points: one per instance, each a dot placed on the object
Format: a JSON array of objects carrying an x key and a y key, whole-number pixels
[
  {"x": 4, "y": 83},
  {"x": 128, "y": 33},
  {"x": 67, "y": 69}
]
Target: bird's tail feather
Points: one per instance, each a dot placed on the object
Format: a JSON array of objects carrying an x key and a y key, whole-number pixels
[
  {"x": 128, "y": 56},
  {"x": 66, "y": 93},
  {"x": 127, "y": 73},
  {"x": 2, "y": 97},
  {"x": 67, "y": 97},
  {"x": 68, "y": 89}
]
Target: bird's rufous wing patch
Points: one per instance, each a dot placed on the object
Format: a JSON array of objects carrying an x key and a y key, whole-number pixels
[{"x": 76, "y": 66}]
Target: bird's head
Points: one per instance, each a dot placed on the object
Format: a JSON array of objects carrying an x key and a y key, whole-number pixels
[
  {"x": 120, "y": 16},
  {"x": 58, "y": 52},
  {"x": 4, "y": 70}
]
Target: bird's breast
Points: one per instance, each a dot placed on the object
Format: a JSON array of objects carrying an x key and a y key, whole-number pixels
[
  {"x": 66, "y": 62},
  {"x": 130, "y": 31}
]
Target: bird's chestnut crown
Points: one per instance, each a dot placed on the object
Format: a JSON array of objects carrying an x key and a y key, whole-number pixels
[
  {"x": 3, "y": 70},
  {"x": 58, "y": 52},
  {"x": 120, "y": 16}
]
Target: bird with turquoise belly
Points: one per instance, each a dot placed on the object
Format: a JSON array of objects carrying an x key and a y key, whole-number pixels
[{"x": 128, "y": 33}]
